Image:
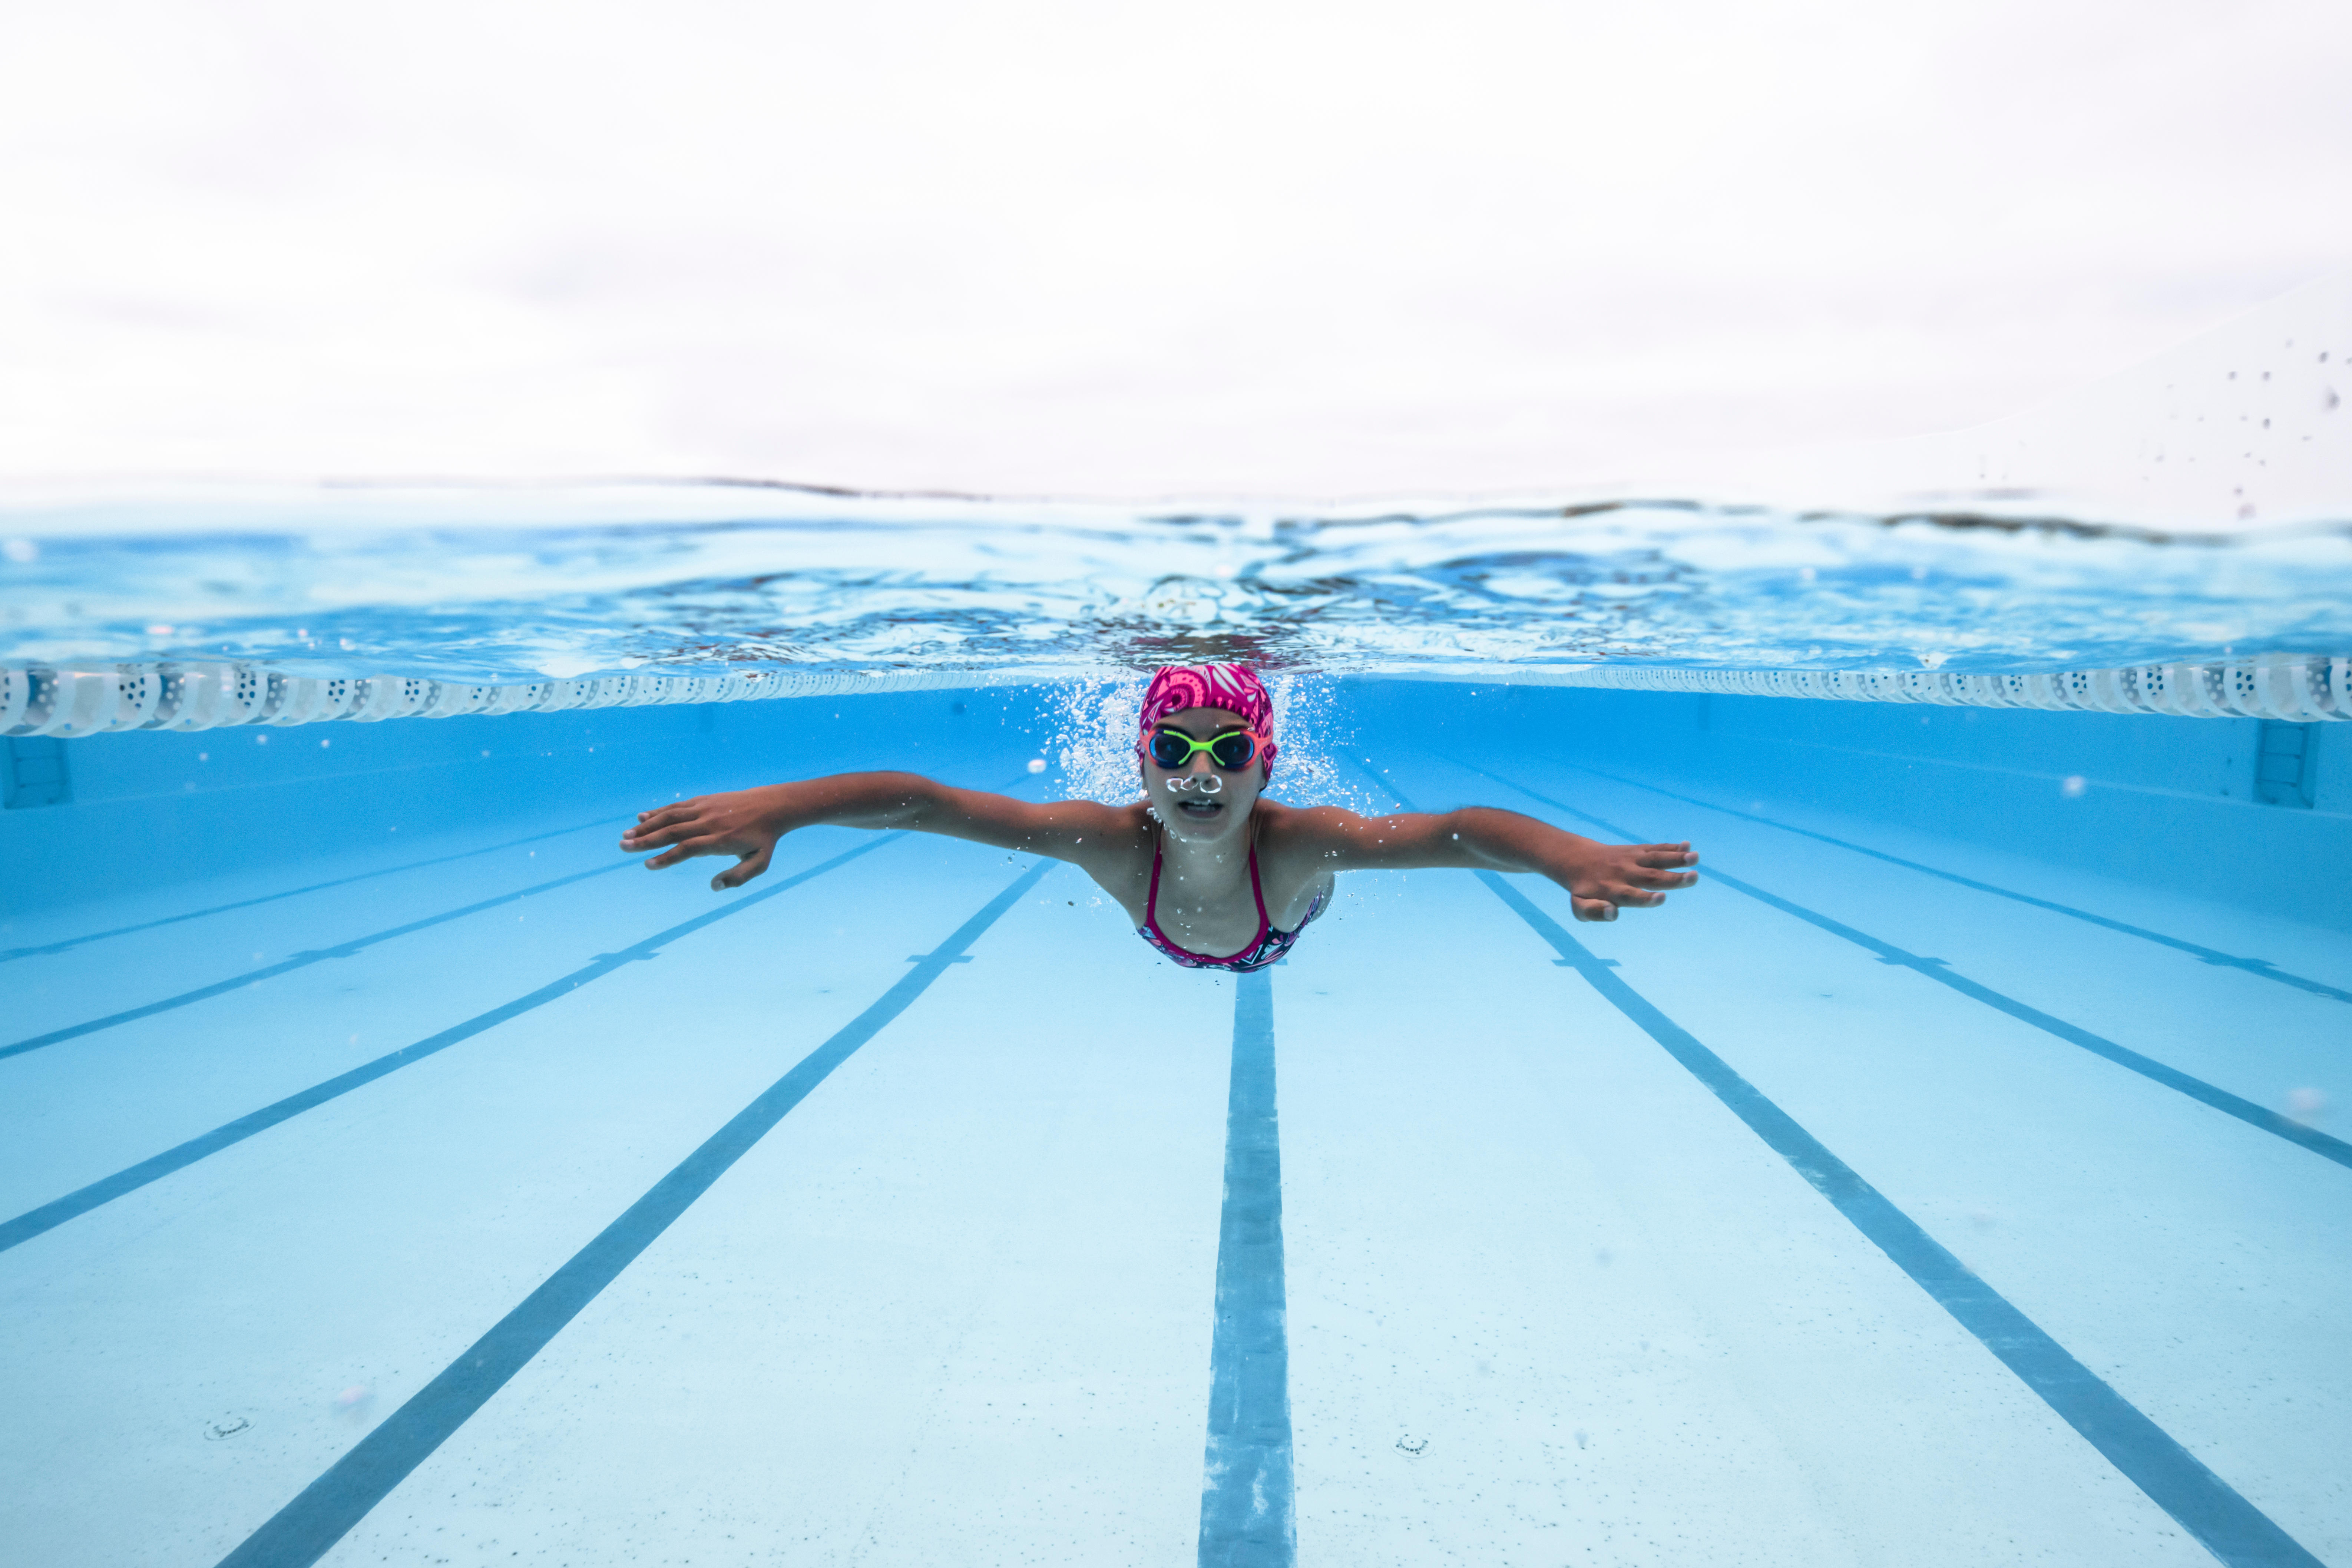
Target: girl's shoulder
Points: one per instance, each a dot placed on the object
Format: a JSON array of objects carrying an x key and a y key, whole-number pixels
[
  {"x": 1285, "y": 830},
  {"x": 1112, "y": 832},
  {"x": 1134, "y": 817},
  {"x": 1308, "y": 823}
]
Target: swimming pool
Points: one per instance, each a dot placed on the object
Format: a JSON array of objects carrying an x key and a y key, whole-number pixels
[{"x": 394, "y": 1173}]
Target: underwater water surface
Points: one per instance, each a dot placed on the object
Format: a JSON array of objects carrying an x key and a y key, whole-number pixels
[{"x": 485, "y": 585}]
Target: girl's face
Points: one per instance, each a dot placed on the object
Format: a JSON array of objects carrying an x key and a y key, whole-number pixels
[{"x": 1200, "y": 801}]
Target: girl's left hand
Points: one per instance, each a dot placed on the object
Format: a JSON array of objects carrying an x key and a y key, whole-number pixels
[{"x": 1607, "y": 877}]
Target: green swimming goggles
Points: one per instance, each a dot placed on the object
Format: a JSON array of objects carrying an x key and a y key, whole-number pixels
[{"x": 1232, "y": 751}]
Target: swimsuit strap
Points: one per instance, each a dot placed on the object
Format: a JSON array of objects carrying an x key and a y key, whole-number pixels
[
  {"x": 1264, "y": 924},
  {"x": 1152, "y": 899},
  {"x": 1151, "y": 911}
]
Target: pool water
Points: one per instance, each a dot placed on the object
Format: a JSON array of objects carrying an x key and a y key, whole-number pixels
[{"x": 390, "y": 1171}]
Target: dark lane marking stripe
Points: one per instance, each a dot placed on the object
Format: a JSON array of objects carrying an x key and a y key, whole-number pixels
[
  {"x": 299, "y": 961},
  {"x": 2260, "y": 966},
  {"x": 1246, "y": 1517},
  {"x": 2206, "y": 1506},
  {"x": 324, "y": 1511},
  {"x": 49, "y": 1216},
  {"x": 71, "y": 942},
  {"x": 1936, "y": 969}
]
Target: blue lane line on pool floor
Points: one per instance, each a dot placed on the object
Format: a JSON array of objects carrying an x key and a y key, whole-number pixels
[
  {"x": 2257, "y": 966},
  {"x": 1936, "y": 969},
  {"x": 1248, "y": 1520},
  {"x": 2206, "y": 1506},
  {"x": 298, "y": 961},
  {"x": 2175, "y": 1480},
  {"x": 304, "y": 1531},
  {"x": 49, "y": 1216},
  {"x": 69, "y": 943}
]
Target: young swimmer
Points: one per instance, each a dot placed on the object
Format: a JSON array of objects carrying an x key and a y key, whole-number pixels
[{"x": 1212, "y": 873}]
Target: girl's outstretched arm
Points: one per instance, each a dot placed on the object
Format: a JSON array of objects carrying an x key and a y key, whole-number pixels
[
  {"x": 746, "y": 823},
  {"x": 1601, "y": 878}
]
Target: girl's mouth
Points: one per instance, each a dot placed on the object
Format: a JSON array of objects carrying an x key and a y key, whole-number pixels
[{"x": 1194, "y": 807}]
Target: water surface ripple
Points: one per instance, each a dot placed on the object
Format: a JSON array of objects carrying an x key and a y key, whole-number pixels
[{"x": 999, "y": 586}]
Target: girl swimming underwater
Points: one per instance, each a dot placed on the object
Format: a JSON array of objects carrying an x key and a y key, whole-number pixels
[{"x": 1212, "y": 873}]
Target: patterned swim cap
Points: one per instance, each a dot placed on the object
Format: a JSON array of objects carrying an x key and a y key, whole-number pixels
[{"x": 1177, "y": 687}]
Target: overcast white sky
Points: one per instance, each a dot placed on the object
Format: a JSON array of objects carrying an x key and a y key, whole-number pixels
[{"x": 1104, "y": 248}]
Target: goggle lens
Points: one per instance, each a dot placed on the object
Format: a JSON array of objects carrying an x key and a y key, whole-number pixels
[{"x": 1234, "y": 748}]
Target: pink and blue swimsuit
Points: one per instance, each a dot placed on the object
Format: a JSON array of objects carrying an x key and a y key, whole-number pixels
[{"x": 1267, "y": 947}]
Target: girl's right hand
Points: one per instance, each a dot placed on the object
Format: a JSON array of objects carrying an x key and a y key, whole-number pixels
[{"x": 745, "y": 824}]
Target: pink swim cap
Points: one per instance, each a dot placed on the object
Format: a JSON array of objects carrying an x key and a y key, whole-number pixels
[{"x": 1177, "y": 687}]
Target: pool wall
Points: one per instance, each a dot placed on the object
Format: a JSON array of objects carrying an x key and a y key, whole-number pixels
[
  {"x": 165, "y": 808},
  {"x": 2165, "y": 802}
]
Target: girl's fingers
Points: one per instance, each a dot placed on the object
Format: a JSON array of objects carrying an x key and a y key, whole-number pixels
[
  {"x": 735, "y": 876},
  {"x": 685, "y": 851},
  {"x": 653, "y": 834}
]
